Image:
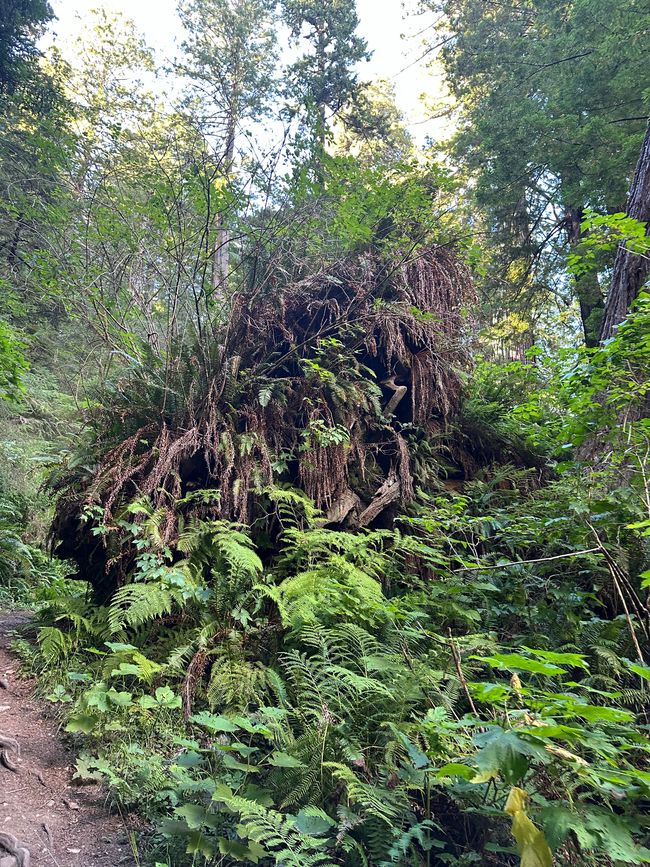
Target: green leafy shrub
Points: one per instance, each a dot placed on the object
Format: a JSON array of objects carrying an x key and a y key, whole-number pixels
[{"x": 344, "y": 703}]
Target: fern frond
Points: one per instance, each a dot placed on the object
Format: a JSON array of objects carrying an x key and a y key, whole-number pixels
[
  {"x": 235, "y": 683},
  {"x": 151, "y": 522},
  {"x": 382, "y": 804},
  {"x": 303, "y": 785},
  {"x": 220, "y": 547},
  {"x": 55, "y": 645},
  {"x": 136, "y": 604},
  {"x": 179, "y": 657},
  {"x": 337, "y": 589},
  {"x": 295, "y": 510},
  {"x": 277, "y": 834},
  {"x": 277, "y": 687}
]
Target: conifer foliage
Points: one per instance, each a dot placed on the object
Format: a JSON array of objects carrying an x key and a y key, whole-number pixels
[{"x": 349, "y": 514}]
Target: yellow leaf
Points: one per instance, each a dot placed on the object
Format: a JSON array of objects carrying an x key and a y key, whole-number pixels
[
  {"x": 484, "y": 776},
  {"x": 561, "y": 753},
  {"x": 531, "y": 843}
]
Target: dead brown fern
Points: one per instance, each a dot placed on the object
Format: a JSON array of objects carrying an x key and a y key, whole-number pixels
[{"x": 329, "y": 350}]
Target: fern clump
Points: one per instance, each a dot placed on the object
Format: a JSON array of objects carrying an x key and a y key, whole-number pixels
[{"x": 310, "y": 692}]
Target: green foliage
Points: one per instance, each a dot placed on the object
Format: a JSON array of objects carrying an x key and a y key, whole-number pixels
[
  {"x": 369, "y": 205},
  {"x": 26, "y": 572},
  {"x": 617, "y": 369},
  {"x": 22, "y": 24},
  {"x": 235, "y": 73},
  {"x": 603, "y": 234},
  {"x": 343, "y": 691},
  {"x": 335, "y": 742},
  {"x": 324, "y": 76},
  {"x": 15, "y": 560},
  {"x": 455, "y": 674},
  {"x": 12, "y": 363},
  {"x": 620, "y": 366},
  {"x": 372, "y": 127},
  {"x": 336, "y": 697},
  {"x": 552, "y": 117}
]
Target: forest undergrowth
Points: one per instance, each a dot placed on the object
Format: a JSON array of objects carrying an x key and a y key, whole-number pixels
[
  {"x": 325, "y": 455},
  {"x": 414, "y": 694}
]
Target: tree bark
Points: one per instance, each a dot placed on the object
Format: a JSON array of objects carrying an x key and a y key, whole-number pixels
[
  {"x": 384, "y": 496},
  {"x": 630, "y": 271},
  {"x": 221, "y": 252}
]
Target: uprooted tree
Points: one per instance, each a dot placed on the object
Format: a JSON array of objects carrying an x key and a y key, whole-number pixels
[{"x": 343, "y": 385}]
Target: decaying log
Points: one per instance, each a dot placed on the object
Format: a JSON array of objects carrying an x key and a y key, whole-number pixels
[
  {"x": 386, "y": 494},
  {"x": 398, "y": 393},
  {"x": 342, "y": 507}
]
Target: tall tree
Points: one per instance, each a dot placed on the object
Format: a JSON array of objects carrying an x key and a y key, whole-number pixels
[
  {"x": 372, "y": 128},
  {"x": 132, "y": 229},
  {"x": 229, "y": 60},
  {"x": 21, "y": 23},
  {"x": 324, "y": 77},
  {"x": 107, "y": 85},
  {"x": 630, "y": 271},
  {"x": 34, "y": 144},
  {"x": 551, "y": 120}
]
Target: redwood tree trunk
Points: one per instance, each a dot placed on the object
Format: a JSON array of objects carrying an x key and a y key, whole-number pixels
[
  {"x": 630, "y": 271},
  {"x": 587, "y": 287}
]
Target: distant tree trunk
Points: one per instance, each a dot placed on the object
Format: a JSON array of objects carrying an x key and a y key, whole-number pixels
[
  {"x": 221, "y": 254},
  {"x": 12, "y": 257},
  {"x": 587, "y": 287},
  {"x": 630, "y": 271}
]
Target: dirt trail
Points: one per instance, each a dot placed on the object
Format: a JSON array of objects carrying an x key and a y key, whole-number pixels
[{"x": 61, "y": 824}]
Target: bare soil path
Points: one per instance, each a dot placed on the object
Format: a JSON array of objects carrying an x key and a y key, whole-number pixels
[{"x": 59, "y": 823}]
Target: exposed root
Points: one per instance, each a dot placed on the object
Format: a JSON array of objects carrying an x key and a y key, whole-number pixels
[
  {"x": 10, "y": 844},
  {"x": 388, "y": 493},
  {"x": 399, "y": 392},
  {"x": 8, "y": 748},
  {"x": 194, "y": 674},
  {"x": 326, "y": 371}
]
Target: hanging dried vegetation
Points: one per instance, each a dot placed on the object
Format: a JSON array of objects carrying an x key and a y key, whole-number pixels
[{"x": 318, "y": 384}]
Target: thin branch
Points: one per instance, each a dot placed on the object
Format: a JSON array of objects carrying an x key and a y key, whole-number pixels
[
  {"x": 459, "y": 672},
  {"x": 614, "y": 571},
  {"x": 525, "y": 562},
  {"x": 625, "y": 119}
]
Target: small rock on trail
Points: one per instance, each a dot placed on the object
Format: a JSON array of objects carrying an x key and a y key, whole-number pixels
[{"x": 58, "y": 823}]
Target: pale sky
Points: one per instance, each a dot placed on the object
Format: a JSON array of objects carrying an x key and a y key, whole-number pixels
[{"x": 382, "y": 23}]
